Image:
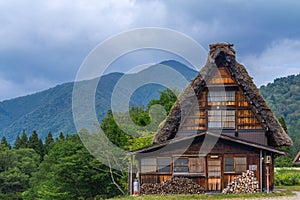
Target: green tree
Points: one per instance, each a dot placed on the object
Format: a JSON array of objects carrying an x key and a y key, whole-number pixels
[
  {"x": 5, "y": 143},
  {"x": 113, "y": 132},
  {"x": 13, "y": 183},
  {"x": 49, "y": 142},
  {"x": 18, "y": 142},
  {"x": 33, "y": 141},
  {"x": 61, "y": 136},
  {"x": 167, "y": 99},
  {"x": 285, "y": 160},
  {"x": 24, "y": 140},
  {"x": 68, "y": 172},
  {"x": 16, "y": 167}
]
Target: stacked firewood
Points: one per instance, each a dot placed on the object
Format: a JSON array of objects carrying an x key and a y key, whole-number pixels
[
  {"x": 175, "y": 185},
  {"x": 245, "y": 183}
]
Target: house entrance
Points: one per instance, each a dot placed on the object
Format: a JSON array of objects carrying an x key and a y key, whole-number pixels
[{"x": 214, "y": 173}]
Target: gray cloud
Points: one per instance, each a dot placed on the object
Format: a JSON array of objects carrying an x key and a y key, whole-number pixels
[
  {"x": 48, "y": 40},
  {"x": 279, "y": 59}
]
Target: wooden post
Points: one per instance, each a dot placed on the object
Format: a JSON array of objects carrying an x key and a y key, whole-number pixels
[
  {"x": 130, "y": 176},
  {"x": 268, "y": 179},
  {"x": 260, "y": 170}
]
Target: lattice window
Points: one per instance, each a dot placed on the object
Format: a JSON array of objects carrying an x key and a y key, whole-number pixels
[
  {"x": 221, "y": 119},
  {"x": 214, "y": 168},
  {"x": 236, "y": 164},
  {"x": 222, "y": 97},
  {"x": 229, "y": 165},
  {"x": 240, "y": 164}
]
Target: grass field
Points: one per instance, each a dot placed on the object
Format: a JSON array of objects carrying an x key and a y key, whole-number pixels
[{"x": 280, "y": 191}]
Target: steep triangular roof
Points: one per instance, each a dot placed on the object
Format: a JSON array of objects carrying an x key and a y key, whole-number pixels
[{"x": 223, "y": 54}]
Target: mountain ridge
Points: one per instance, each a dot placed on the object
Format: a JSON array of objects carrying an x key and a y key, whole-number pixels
[{"x": 50, "y": 110}]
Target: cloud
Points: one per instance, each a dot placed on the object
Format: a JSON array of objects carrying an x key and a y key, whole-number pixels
[
  {"x": 39, "y": 24},
  {"x": 48, "y": 40},
  {"x": 279, "y": 59}
]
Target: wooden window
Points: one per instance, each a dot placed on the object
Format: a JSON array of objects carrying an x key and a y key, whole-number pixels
[
  {"x": 236, "y": 164},
  {"x": 229, "y": 165},
  {"x": 221, "y": 119},
  {"x": 197, "y": 165},
  {"x": 164, "y": 164},
  {"x": 148, "y": 165},
  {"x": 221, "y": 97},
  {"x": 240, "y": 164},
  {"x": 181, "y": 165},
  {"x": 214, "y": 168}
]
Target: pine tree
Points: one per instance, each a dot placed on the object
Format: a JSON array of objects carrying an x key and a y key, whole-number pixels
[
  {"x": 18, "y": 142},
  {"x": 36, "y": 144},
  {"x": 49, "y": 142},
  {"x": 5, "y": 143},
  {"x": 41, "y": 150},
  {"x": 24, "y": 140},
  {"x": 61, "y": 136},
  {"x": 34, "y": 141}
]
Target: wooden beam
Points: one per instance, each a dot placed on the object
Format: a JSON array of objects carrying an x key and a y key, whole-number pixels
[{"x": 130, "y": 176}]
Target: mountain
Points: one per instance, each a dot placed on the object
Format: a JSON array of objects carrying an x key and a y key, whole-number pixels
[
  {"x": 51, "y": 110},
  {"x": 283, "y": 97}
]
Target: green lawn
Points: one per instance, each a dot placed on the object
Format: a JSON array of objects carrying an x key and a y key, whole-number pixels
[{"x": 281, "y": 191}]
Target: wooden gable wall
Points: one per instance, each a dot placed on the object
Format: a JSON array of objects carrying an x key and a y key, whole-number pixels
[{"x": 222, "y": 105}]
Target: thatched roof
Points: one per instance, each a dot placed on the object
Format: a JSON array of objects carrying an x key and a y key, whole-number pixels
[{"x": 223, "y": 54}]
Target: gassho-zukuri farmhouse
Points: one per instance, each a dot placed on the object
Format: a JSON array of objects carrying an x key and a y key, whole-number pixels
[{"x": 219, "y": 128}]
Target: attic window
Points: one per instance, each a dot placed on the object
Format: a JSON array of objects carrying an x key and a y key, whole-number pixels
[
  {"x": 216, "y": 98},
  {"x": 221, "y": 119}
]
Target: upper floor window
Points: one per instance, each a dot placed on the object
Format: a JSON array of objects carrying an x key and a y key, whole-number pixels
[
  {"x": 221, "y": 119},
  {"x": 221, "y": 97}
]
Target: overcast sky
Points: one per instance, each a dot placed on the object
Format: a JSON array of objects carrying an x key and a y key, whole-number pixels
[{"x": 43, "y": 43}]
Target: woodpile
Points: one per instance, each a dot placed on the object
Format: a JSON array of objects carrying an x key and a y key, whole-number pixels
[
  {"x": 175, "y": 185},
  {"x": 245, "y": 183}
]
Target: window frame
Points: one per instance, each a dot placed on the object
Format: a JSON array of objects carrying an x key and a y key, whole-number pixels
[
  {"x": 235, "y": 164},
  {"x": 181, "y": 166},
  {"x": 221, "y": 97},
  {"x": 148, "y": 165},
  {"x": 163, "y": 165},
  {"x": 221, "y": 119}
]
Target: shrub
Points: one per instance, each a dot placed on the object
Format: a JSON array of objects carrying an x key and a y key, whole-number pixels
[{"x": 286, "y": 177}]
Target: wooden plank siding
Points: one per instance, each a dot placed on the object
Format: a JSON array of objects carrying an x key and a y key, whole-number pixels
[{"x": 201, "y": 173}]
